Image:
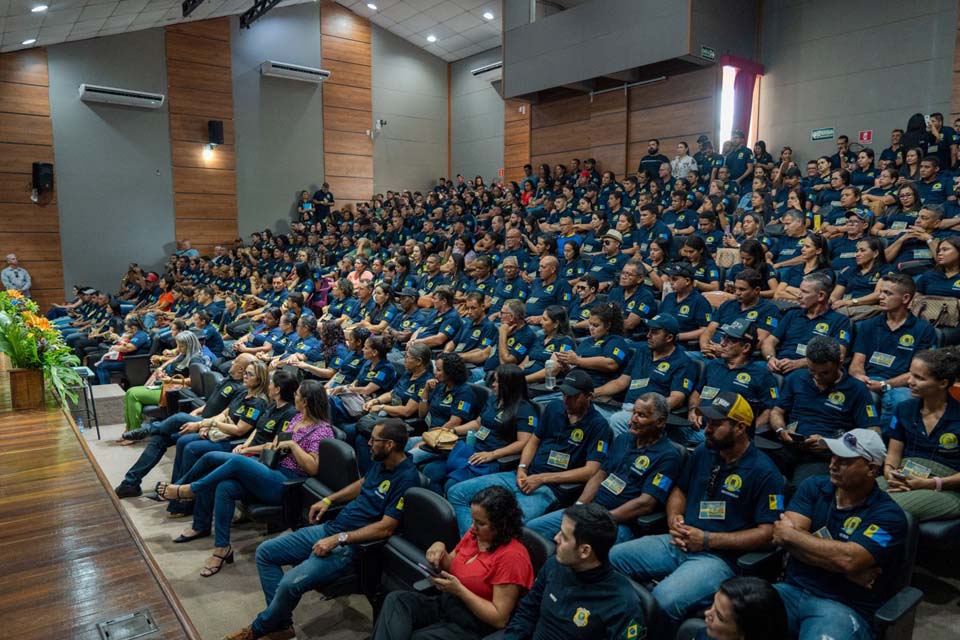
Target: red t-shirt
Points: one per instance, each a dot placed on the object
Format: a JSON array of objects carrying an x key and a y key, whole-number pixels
[{"x": 508, "y": 564}]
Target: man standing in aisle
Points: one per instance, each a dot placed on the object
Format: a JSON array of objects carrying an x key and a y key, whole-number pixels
[{"x": 15, "y": 277}]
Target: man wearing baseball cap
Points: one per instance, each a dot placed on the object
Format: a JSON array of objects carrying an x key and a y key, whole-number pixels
[
  {"x": 844, "y": 535},
  {"x": 686, "y": 303},
  {"x": 608, "y": 264},
  {"x": 725, "y": 504},
  {"x": 569, "y": 445},
  {"x": 843, "y": 248},
  {"x": 660, "y": 366}
]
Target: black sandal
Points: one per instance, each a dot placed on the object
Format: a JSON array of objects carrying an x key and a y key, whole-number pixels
[
  {"x": 209, "y": 571},
  {"x": 161, "y": 489}
]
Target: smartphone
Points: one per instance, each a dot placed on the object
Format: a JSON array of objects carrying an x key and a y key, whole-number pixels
[
  {"x": 430, "y": 569},
  {"x": 898, "y": 474},
  {"x": 284, "y": 436}
]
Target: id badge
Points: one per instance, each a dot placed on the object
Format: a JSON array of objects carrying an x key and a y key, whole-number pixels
[
  {"x": 802, "y": 350},
  {"x": 709, "y": 393},
  {"x": 900, "y": 225},
  {"x": 613, "y": 484},
  {"x": 639, "y": 383},
  {"x": 823, "y": 533},
  {"x": 881, "y": 359},
  {"x": 533, "y": 300},
  {"x": 338, "y": 378},
  {"x": 713, "y": 510},
  {"x": 911, "y": 468},
  {"x": 482, "y": 433},
  {"x": 559, "y": 459},
  {"x": 922, "y": 254}
]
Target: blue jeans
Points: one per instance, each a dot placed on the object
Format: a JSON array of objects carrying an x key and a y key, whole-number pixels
[
  {"x": 811, "y": 618},
  {"x": 105, "y": 368},
  {"x": 549, "y": 526},
  {"x": 162, "y": 435},
  {"x": 888, "y": 403},
  {"x": 283, "y": 591},
  {"x": 190, "y": 448},
  {"x": 619, "y": 420},
  {"x": 687, "y": 580},
  {"x": 237, "y": 478},
  {"x": 532, "y": 505}
]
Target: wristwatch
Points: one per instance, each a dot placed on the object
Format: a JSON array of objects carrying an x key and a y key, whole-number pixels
[
  {"x": 521, "y": 466},
  {"x": 342, "y": 539},
  {"x": 885, "y": 387}
]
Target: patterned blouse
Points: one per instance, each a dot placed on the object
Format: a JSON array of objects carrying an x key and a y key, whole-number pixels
[{"x": 308, "y": 438}]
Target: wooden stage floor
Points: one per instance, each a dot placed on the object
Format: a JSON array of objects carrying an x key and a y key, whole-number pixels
[{"x": 69, "y": 557}]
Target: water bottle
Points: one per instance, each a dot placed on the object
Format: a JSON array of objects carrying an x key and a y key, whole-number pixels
[
  {"x": 471, "y": 438},
  {"x": 550, "y": 368},
  {"x": 80, "y": 424}
]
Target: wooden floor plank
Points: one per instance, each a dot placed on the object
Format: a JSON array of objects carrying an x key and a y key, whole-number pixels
[{"x": 66, "y": 546}]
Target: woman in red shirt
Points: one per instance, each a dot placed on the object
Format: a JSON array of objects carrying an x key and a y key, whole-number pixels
[{"x": 480, "y": 581}]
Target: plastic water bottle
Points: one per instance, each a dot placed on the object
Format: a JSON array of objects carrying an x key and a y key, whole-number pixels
[
  {"x": 471, "y": 438},
  {"x": 80, "y": 424},
  {"x": 550, "y": 368}
]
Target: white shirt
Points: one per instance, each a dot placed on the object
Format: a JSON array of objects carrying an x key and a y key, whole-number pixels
[{"x": 16, "y": 278}]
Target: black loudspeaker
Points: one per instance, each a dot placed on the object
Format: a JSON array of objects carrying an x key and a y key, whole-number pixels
[
  {"x": 215, "y": 131},
  {"x": 42, "y": 176}
]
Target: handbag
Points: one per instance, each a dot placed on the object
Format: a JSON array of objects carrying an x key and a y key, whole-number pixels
[
  {"x": 169, "y": 386},
  {"x": 440, "y": 439},
  {"x": 352, "y": 404},
  {"x": 940, "y": 311},
  {"x": 216, "y": 435},
  {"x": 270, "y": 458}
]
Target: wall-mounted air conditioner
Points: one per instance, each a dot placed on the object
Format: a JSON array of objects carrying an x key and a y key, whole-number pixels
[
  {"x": 293, "y": 72},
  {"x": 487, "y": 68},
  {"x": 125, "y": 97}
]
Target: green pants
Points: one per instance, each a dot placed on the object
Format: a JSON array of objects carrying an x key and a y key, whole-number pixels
[
  {"x": 926, "y": 504},
  {"x": 133, "y": 403}
]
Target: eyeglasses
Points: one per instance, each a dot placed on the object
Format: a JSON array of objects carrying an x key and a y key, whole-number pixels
[
  {"x": 608, "y": 242},
  {"x": 374, "y": 439}
]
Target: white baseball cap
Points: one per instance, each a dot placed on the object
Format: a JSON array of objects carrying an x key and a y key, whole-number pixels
[{"x": 858, "y": 443}]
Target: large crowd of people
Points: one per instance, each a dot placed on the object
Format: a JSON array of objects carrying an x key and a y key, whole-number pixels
[{"x": 758, "y": 351}]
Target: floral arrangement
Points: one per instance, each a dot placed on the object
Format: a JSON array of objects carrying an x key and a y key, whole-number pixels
[{"x": 31, "y": 342}]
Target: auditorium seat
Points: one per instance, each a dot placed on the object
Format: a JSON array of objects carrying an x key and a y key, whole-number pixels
[{"x": 136, "y": 370}]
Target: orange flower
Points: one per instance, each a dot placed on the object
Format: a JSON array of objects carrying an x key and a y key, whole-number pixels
[
  {"x": 14, "y": 294},
  {"x": 36, "y": 321}
]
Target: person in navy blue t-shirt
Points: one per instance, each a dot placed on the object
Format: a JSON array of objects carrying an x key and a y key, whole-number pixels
[
  {"x": 324, "y": 552},
  {"x": 821, "y": 401},
  {"x": 845, "y": 537},
  {"x": 724, "y": 504}
]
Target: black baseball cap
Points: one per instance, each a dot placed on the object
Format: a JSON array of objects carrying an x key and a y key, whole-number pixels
[
  {"x": 681, "y": 269},
  {"x": 741, "y": 329},
  {"x": 664, "y": 321},
  {"x": 576, "y": 382},
  {"x": 703, "y": 138},
  {"x": 729, "y": 405},
  {"x": 409, "y": 292}
]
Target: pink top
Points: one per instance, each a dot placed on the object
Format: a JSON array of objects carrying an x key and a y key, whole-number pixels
[
  {"x": 355, "y": 277},
  {"x": 308, "y": 438}
]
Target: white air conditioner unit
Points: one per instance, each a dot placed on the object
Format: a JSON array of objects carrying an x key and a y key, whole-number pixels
[
  {"x": 293, "y": 72},
  {"x": 487, "y": 68},
  {"x": 125, "y": 97}
]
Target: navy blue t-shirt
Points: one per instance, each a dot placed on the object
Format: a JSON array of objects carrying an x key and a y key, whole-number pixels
[
  {"x": 640, "y": 303},
  {"x": 383, "y": 375},
  {"x": 471, "y": 336},
  {"x": 857, "y": 284},
  {"x": 541, "y": 351},
  {"x": 888, "y": 353},
  {"x": 676, "y": 372},
  {"x": 795, "y": 330},
  {"x": 693, "y": 312},
  {"x": 941, "y": 445},
  {"x": 763, "y": 313},
  {"x": 633, "y": 471},
  {"x": 494, "y": 434},
  {"x": 381, "y": 494},
  {"x": 934, "y": 282},
  {"x": 728, "y": 498},
  {"x": 519, "y": 345},
  {"x": 607, "y": 269},
  {"x": 753, "y": 381},
  {"x": 844, "y": 406},
  {"x": 609, "y": 346},
  {"x": 542, "y": 296},
  {"x": 446, "y": 403},
  {"x": 878, "y": 525},
  {"x": 564, "y": 446}
]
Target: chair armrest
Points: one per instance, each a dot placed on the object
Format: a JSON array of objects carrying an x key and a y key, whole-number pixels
[
  {"x": 650, "y": 522},
  {"x": 903, "y": 603},
  {"x": 763, "y": 564},
  {"x": 567, "y": 492},
  {"x": 509, "y": 463}
]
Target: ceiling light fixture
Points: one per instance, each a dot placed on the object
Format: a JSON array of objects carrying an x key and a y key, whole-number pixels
[
  {"x": 487, "y": 15},
  {"x": 431, "y": 38},
  {"x": 39, "y": 8},
  {"x": 371, "y": 6},
  {"x": 29, "y": 41}
]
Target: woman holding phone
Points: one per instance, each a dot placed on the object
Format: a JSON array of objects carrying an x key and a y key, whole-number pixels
[{"x": 480, "y": 581}]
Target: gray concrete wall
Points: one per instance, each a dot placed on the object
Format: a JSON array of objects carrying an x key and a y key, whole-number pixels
[
  {"x": 591, "y": 40},
  {"x": 114, "y": 183},
  {"x": 856, "y": 65},
  {"x": 476, "y": 119},
  {"x": 410, "y": 93},
  {"x": 278, "y": 123}
]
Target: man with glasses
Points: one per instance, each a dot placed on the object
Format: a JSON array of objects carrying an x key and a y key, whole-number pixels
[
  {"x": 610, "y": 261},
  {"x": 635, "y": 300},
  {"x": 569, "y": 445},
  {"x": 735, "y": 371},
  {"x": 509, "y": 285},
  {"x": 513, "y": 248},
  {"x": 636, "y": 478},
  {"x": 725, "y": 503},
  {"x": 748, "y": 306},
  {"x": 324, "y": 552},
  {"x": 165, "y": 433},
  {"x": 845, "y": 537},
  {"x": 843, "y": 249},
  {"x": 583, "y": 304},
  {"x": 818, "y": 402}
]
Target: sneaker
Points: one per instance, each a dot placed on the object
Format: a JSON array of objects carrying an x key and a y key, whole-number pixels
[
  {"x": 134, "y": 435},
  {"x": 127, "y": 491},
  {"x": 243, "y": 634}
]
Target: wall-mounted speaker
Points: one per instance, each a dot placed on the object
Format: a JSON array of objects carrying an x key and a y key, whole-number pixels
[
  {"x": 215, "y": 132},
  {"x": 42, "y": 176}
]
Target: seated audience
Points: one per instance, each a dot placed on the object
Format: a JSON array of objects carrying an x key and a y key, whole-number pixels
[{"x": 746, "y": 608}]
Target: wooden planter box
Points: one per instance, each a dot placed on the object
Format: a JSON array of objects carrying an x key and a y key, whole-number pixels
[{"x": 26, "y": 388}]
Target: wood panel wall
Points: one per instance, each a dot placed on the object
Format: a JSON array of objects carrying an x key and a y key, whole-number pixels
[
  {"x": 199, "y": 89},
  {"x": 347, "y": 104},
  {"x": 614, "y": 127},
  {"x": 31, "y": 230},
  {"x": 516, "y": 138}
]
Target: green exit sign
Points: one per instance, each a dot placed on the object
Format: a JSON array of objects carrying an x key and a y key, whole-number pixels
[
  {"x": 708, "y": 53},
  {"x": 823, "y": 133}
]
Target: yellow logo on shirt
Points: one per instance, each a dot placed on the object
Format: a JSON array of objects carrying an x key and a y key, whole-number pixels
[
  {"x": 582, "y": 617},
  {"x": 850, "y": 525},
  {"x": 906, "y": 340},
  {"x": 733, "y": 483},
  {"x": 836, "y": 398},
  {"x": 663, "y": 367},
  {"x": 822, "y": 327},
  {"x": 228, "y": 389},
  {"x": 948, "y": 441},
  {"x": 400, "y": 504},
  {"x": 684, "y": 310},
  {"x": 743, "y": 378},
  {"x": 577, "y": 435},
  {"x": 641, "y": 463},
  {"x": 384, "y": 487},
  {"x": 752, "y": 315}
]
